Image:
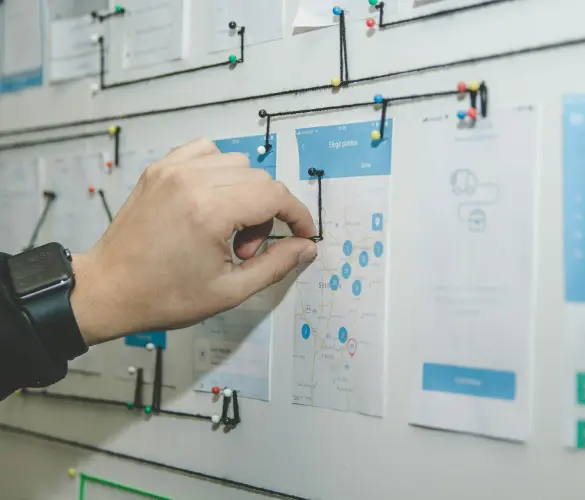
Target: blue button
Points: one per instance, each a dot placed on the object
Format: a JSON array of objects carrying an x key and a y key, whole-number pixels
[
  {"x": 377, "y": 222},
  {"x": 356, "y": 287},
  {"x": 346, "y": 270},
  {"x": 334, "y": 282},
  {"x": 364, "y": 259},
  {"x": 469, "y": 381},
  {"x": 347, "y": 248},
  {"x": 343, "y": 335},
  {"x": 378, "y": 248},
  {"x": 306, "y": 331}
]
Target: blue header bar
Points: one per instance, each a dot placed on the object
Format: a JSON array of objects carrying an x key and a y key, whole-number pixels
[
  {"x": 249, "y": 146},
  {"x": 345, "y": 150},
  {"x": 159, "y": 339}
]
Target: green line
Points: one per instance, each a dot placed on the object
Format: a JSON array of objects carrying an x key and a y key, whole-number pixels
[{"x": 121, "y": 487}]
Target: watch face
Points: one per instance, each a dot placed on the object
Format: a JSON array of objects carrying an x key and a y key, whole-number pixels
[{"x": 38, "y": 269}]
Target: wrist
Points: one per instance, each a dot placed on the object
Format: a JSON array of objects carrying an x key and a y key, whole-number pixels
[{"x": 92, "y": 303}]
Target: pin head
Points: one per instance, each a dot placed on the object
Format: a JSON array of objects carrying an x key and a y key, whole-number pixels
[
  {"x": 370, "y": 23},
  {"x": 337, "y": 10},
  {"x": 336, "y": 81},
  {"x": 474, "y": 86},
  {"x": 132, "y": 370},
  {"x": 261, "y": 150},
  {"x": 233, "y": 59},
  {"x": 150, "y": 347},
  {"x": 119, "y": 9},
  {"x": 227, "y": 393},
  {"x": 461, "y": 87},
  {"x": 216, "y": 419},
  {"x": 109, "y": 164},
  {"x": 130, "y": 405},
  {"x": 262, "y": 113},
  {"x": 373, "y": 2},
  {"x": 379, "y": 99},
  {"x": 375, "y": 135},
  {"x": 72, "y": 473},
  {"x": 461, "y": 114},
  {"x": 91, "y": 189},
  {"x": 312, "y": 172},
  {"x": 472, "y": 113},
  {"x": 148, "y": 410},
  {"x": 233, "y": 25},
  {"x": 112, "y": 130},
  {"x": 215, "y": 390}
]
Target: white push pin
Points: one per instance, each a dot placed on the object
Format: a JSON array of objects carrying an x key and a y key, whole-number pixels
[
  {"x": 150, "y": 346},
  {"x": 261, "y": 150},
  {"x": 132, "y": 370},
  {"x": 216, "y": 419},
  {"x": 95, "y": 88},
  {"x": 95, "y": 38},
  {"x": 228, "y": 393}
]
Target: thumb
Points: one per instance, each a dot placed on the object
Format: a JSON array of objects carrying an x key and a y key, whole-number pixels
[{"x": 272, "y": 266}]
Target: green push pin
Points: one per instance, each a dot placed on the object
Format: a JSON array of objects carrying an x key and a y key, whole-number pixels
[
  {"x": 373, "y": 2},
  {"x": 130, "y": 405},
  {"x": 148, "y": 410},
  {"x": 119, "y": 9},
  {"x": 233, "y": 59}
]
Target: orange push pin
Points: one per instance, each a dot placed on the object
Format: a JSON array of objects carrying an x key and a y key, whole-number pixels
[
  {"x": 472, "y": 113},
  {"x": 91, "y": 190},
  {"x": 109, "y": 164}
]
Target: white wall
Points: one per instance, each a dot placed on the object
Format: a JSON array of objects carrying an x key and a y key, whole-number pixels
[{"x": 308, "y": 451}]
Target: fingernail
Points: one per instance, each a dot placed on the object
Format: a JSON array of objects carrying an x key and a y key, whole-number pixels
[{"x": 308, "y": 255}]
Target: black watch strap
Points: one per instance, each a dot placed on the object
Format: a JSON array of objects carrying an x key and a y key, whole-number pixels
[{"x": 55, "y": 324}]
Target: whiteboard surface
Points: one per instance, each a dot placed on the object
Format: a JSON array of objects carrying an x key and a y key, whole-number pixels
[{"x": 311, "y": 452}]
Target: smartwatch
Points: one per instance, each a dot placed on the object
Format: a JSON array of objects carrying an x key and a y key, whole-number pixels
[{"x": 43, "y": 279}]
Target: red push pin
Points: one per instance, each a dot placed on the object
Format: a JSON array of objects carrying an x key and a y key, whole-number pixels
[
  {"x": 91, "y": 189},
  {"x": 472, "y": 113},
  {"x": 462, "y": 87},
  {"x": 370, "y": 23},
  {"x": 109, "y": 164},
  {"x": 215, "y": 390}
]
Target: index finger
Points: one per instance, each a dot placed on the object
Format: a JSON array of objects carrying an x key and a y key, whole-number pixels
[{"x": 255, "y": 204}]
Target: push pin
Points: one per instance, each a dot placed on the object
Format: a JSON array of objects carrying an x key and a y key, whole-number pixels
[
  {"x": 215, "y": 390},
  {"x": 336, "y": 81},
  {"x": 472, "y": 113},
  {"x": 337, "y": 10},
  {"x": 376, "y": 135},
  {"x": 95, "y": 38},
  {"x": 130, "y": 405},
  {"x": 373, "y": 2},
  {"x": 233, "y": 25},
  {"x": 95, "y": 88},
  {"x": 109, "y": 164},
  {"x": 91, "y": 190},
  {"x": 148, "y": 410},
  {"x": 370, "y": 23},
  {"x": 474, "y": 86},
  {"x": 150, "y": 347},
  {"x": 216, "y": 419},
  {"x": 72, "y": 473},
  {"x": 461, "y": 115},
  {"x": 462, "y": 87},
  {"x": 233, "y": 59},
  {"x": 262, "y": 113},
  {"x": 261, "y": 150},
  {"x": 379, "y": 99},
  {"x": 227, "y": 393},
  {"x": 113, "y": 130},
  {"x": 119, "y": 9},
  {"x": 132, "y": 370}
]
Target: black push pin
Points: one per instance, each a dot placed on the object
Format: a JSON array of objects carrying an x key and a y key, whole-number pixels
[{"x": 233, "y": 25}]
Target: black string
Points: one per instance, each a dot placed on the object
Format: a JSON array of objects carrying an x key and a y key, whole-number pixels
[
  {"x": 341, "y": 66},
  {"x": 125, "y": 83},
  {"x": 138, "y": 388},
  {"x": 101, "y": 18},
  {"x": 313, "y": 172},
  {"x": 108, "y": 402},
  {"x": 383, "y": 120},
  {"x": 117, "y": 146},
  {"x": 105, "y": 204},
  {"x": 152, "y": 463},
  {"x": 267, "y": 144},
  {"x": 158, "y": 381},
  {"x": 49, "y": 199},
  {"x": 435, "y": 15},
  {"x": 154, "y": 112},
  {"x": 344, "y": 68}
]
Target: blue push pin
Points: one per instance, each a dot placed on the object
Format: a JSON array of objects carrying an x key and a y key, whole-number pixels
[
  {"x": 379, "y": 99},
  {"x": 461, "y": 115},
  {"x": 337, "y": 10}
]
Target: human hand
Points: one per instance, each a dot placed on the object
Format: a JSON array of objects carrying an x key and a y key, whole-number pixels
[{"x": 165, "y": 262}]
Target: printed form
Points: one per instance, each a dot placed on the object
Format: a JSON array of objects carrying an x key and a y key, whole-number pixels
[
  {"x": 341, "y": 299},
  {"x": 233, "y": 349},
  {"x": 475, "y": 221}
]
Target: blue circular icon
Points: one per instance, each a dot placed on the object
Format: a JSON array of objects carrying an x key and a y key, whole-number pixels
[
  {"x": 378, "y": 249},
  {"x": 356, "y": 287},
  {"x": 343, "y": 335},
  {"x": 337, "y": 10},
  {"x": 334, "y": 282},
  {"x": 306, "y": 331},
  {"x": 346, "y": 270},
  {"x": 347, "y": 248},
  {"x": 364, "y": 259}
]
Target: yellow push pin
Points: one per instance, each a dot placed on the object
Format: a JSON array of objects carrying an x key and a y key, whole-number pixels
[
  {"x": 474, "y": 86},
  {"x": 375, "y": 135},
  {"x": 113, "y": 130},
  {"x": 336, "y": 82},
  {"x": 18, "y": 392},
  {"x": 72, "y": 473}
]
